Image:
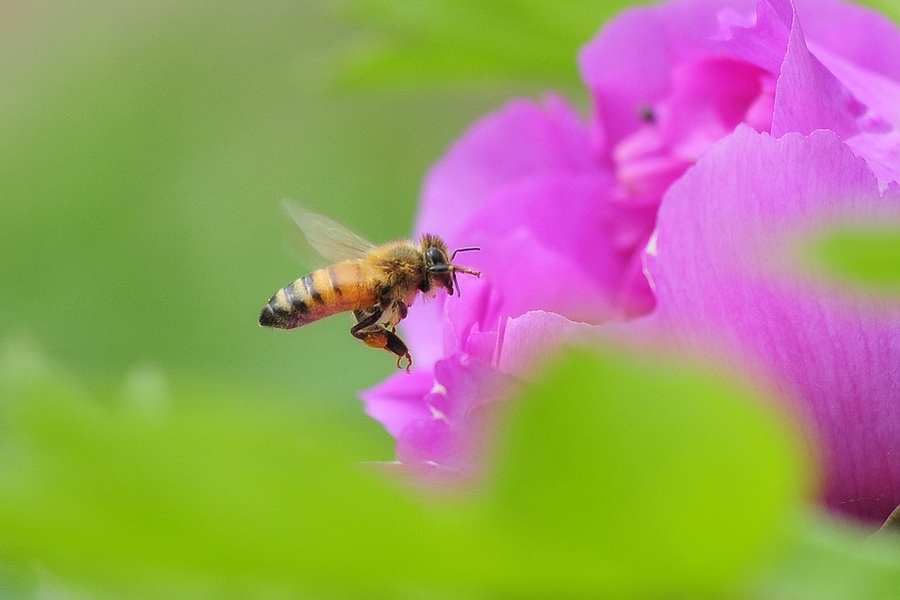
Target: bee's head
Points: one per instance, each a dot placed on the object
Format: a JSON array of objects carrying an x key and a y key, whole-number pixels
[{"x": 439, "y": 267}]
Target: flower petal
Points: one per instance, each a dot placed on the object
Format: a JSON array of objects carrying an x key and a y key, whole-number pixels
[
  {"x": 855, "y": 33},
  {"x": 397, "y": 402},
  {"x": 882, "y": 151},
  {"x": 532, "y": 337},
  {"x": 719, "y": 273},
  {"x": 521, "y": 140},
  {"x": 628, "y": 64},
  {"x": 809, "y": 97},
  {"x": 560, "y": 243}
]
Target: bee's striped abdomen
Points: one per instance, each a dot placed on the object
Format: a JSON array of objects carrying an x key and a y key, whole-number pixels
[{"x": 342, "y": 287}]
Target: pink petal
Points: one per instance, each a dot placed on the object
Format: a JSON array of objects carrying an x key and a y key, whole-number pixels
[
  {"x": 881, "y": 151},
  {"x": 855, "y": 33},
  {"x": 530, "y": 339},
  {"x": 763, "y": 40},
  {"x": 722, "y": 271},
  {"x": 461, "y": 406},
  {"x": 628, "y": 64},
  {"x": 523, "y": 139},
  {"x": 809, "y": 97},
  {"x": 559, "y": 243},
  {"x": 397, "y": 402},
  {"x": 880, "y": 94}
]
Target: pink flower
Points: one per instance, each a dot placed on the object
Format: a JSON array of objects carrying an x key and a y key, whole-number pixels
[{"x": 704, "y": 139}]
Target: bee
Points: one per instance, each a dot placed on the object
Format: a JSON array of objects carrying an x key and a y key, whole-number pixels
[{"x": 376, "y": 283}]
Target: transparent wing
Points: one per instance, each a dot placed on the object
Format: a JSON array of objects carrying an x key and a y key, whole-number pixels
[{"x": 329, "y": 238}]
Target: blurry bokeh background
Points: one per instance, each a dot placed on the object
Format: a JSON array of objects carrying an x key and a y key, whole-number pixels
[
  {"x": 144, "y": 151},
  {"x": 145, "y": 148}
]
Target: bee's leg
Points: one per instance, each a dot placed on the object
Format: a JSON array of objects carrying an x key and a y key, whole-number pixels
[
  {"x": 375, "y": 336},
  {"x": 385, "y": 338},
  {"x": 394, "y": 343},
  {"x": 398, "y": 347},
  {"x": 366, "y": 323},
  {"x": 400, "y": 312}
]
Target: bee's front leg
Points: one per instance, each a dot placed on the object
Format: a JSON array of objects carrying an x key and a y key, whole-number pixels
[
  {"x": 402, "y": 310},
  {"x": 395, "y": 312},
  {"x": 398, "y": 313}
]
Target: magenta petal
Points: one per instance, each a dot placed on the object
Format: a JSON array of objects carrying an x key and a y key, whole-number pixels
[
  {"x": 880, "y": 94},
  {"x": 858, "y": 34},
  {"x": 431, "y": 441},
  {"x": 709, "y": 99},
  {"x": 637, "y": 38},
  {"x": 532, "y": 338},
  {"x": 882, "y": 151},
  {"x": 397, "y": 402},
  {"x": 422, "y": 330},
  {"x": 627, "y": 65},
  {"x": 762, "y": 42},
  {"x": 453, "y": 435},
  {"x": 809, "y": 97},
  {"x": 724, "y": 232},
  {"x": 442, "y": 326},
  {"x": 566, "y": 233},
  {"x": 522, "y": 140}
]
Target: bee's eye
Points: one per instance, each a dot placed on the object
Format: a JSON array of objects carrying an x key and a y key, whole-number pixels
[{"x": 435, "y": 256}]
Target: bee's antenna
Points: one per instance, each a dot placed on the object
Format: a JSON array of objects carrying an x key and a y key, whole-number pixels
[
  {"x": 468, "y": 249},
  {"x": 457, "y": 269}
]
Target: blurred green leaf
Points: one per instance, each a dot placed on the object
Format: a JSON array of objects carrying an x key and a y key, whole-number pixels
[
  {"x": 440, "y": 42},
  {"x": 829, "y": 560},
  {"x": 17, "y": 582},
  {"x": 889, "y": 7},
  {"x": 639, "y": 474},
  {"x": 437, "y": 42},
  {"x": 866, "y": 256},
  {"x": 621, "y": 474}
]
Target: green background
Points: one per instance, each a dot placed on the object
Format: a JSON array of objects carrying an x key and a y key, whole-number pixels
[{"x": 145, "y": 150}]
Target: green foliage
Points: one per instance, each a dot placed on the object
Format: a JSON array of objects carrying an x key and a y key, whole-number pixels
[
  {"x": 621, "y": 474},
  {"x": 645, "y": 474},
  {"x": 887, "y": 7},
  {"x": 145, "y": 151},
  {"x": 440, "y": 42},
  {"x": 826, "y": 560},
  {"x": 437, "y": 42},
  {"x": 864, "y": 256}
]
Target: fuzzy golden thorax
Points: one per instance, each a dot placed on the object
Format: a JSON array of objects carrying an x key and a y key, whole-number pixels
[{"x": 403, "y": 270}]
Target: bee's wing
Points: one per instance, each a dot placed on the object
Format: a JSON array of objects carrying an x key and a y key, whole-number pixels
[{"x": 329, "y": 238}]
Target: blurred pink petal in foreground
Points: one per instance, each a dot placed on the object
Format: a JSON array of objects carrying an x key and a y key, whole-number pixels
[
  {"x": 730, "y": 272},
  {"x": 738, "y": 126}
]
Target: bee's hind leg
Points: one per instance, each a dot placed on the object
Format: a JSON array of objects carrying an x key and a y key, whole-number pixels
[
  {"x": 375, "y": 335},
  {"x": 398, "y": 347}
]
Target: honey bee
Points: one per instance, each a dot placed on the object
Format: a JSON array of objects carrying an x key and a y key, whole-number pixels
[{"x": 376, "y": 283}]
